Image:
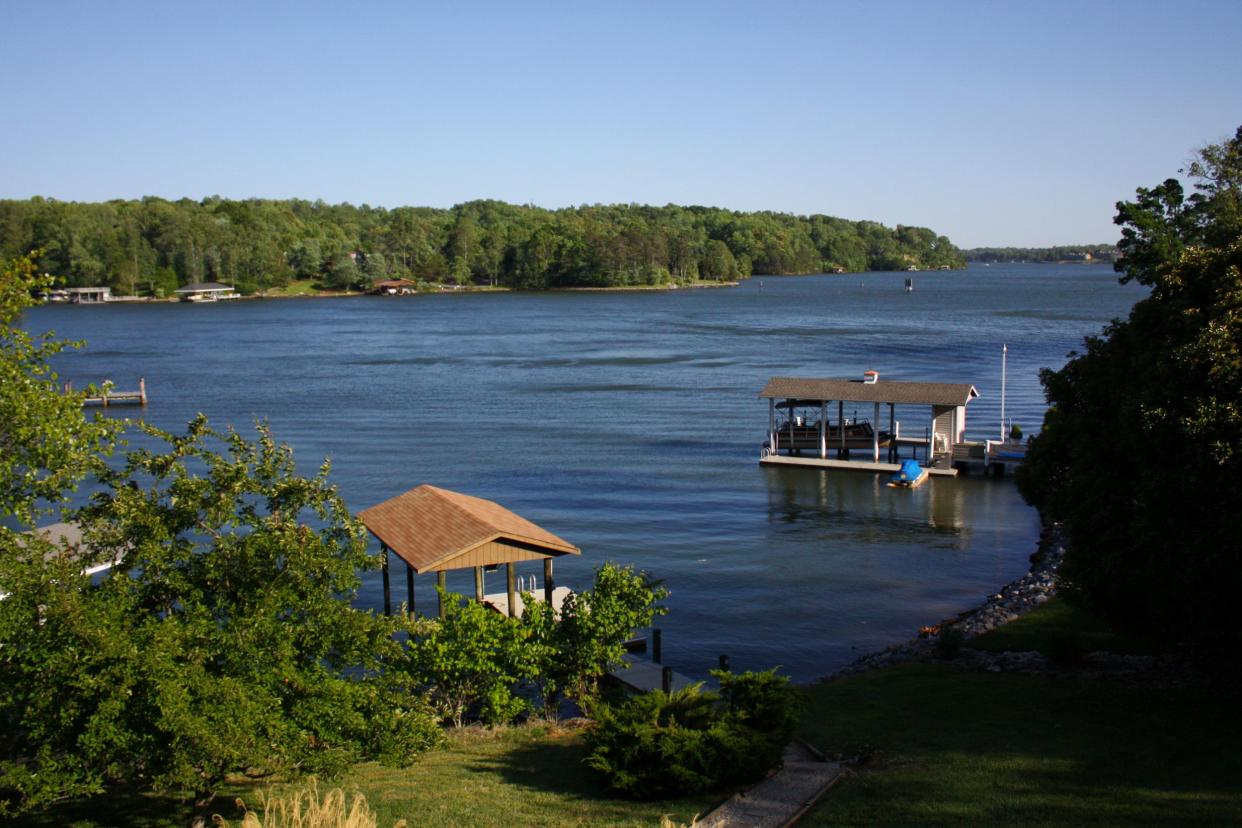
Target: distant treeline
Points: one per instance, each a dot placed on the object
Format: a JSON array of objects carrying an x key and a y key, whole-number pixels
[
  {"x": 154, "y": 246},
  {"x": 1065, "y": 253}
]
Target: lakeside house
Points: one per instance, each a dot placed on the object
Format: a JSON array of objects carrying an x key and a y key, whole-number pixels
[
  {"x": 87, "y": 295},
  {"x": 206, "y": 292}
]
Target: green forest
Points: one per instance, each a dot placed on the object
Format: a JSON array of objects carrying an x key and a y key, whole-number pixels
[
  {"x": 153, "y": 246},
  {"x": 1087, "y": 253}
]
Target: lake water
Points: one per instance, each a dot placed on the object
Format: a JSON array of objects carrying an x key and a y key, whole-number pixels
[{"x": 628, "y": 423}]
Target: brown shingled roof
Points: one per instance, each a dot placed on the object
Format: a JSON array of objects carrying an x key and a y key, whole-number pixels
[
  {"x": 883, "y": 391},
  {"x": 427, "y": 526}
]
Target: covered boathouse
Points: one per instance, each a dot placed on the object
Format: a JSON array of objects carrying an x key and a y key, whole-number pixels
[
  {"x": 435, "y": 530},
  {"x": 801, "y": 432}
]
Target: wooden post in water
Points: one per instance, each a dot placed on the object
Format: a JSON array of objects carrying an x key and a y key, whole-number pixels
[
  {"x": 387, "y": 591},
  {"x": 478, "y": 584},
  {"x": 842, "y": 454},
  {"x": 409, "y": 589},
  {"x": 512, "y": 593},
  {"x": 441, "y": 581},
  {"x": 657, "y": 645},
  {"x": 823, "y": 429},
  {"x": 892, "y": 433},
  {"x": 875, "y": 435},
  {"x": 772, "y": 425},
  {"x": 666, "y": 679},
  {"x": 547, "y": 581},
  {"x": 142, "y": 393},
  {"x": 724, "y": 662}
]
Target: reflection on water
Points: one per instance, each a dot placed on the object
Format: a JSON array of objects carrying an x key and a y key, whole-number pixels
[
  {"x": 630, "y": 425},
  {"x": 863, "y": 502}
]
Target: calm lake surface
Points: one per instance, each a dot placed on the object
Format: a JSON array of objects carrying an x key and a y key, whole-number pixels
[{"x": 629, "y": 424}]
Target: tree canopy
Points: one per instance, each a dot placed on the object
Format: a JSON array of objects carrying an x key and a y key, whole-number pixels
[
  {"x": 1141, "y": 451},
  {"x": 152, "y": 246}
]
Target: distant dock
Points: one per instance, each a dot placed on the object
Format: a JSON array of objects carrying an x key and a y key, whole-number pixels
[{"x": 110, "y": 396}]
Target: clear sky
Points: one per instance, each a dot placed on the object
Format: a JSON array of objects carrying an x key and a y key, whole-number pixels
[{"x": 995, "y": 123}]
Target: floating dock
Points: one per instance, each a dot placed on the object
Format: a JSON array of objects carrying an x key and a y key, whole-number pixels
[
  {"x": 110, "y": 396},
  {"x": 643, "y": 676}
]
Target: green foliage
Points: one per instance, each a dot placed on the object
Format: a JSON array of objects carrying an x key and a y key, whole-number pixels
[
  {"x": 577, "y": 649},
  {"x": 1141, "y": 450},
  {"x": 153, "y": 245},
  {"x": 471, "y": 661},
  {"x": 949, "y": 643},
  {"x": 1015, "y": 432},
  {"x": 1061, "y": 253},
  {"x": 46, "y": 445},
  {"x": 223, "y": 642},
  {"x": 690, "y": 741}
]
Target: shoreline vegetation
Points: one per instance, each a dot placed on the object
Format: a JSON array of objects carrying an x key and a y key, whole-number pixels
[{"x": 153, "y": 246}]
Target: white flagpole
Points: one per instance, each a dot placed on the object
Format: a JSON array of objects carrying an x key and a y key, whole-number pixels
[{"x": 1004, "y": 360}]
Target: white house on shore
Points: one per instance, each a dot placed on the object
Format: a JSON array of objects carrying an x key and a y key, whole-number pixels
[{"x": 206, "y": 292}]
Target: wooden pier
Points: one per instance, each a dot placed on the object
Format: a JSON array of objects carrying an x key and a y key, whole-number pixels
[
  {"x": 643, "y": 676},
  {"x": 109, "y": 396}
]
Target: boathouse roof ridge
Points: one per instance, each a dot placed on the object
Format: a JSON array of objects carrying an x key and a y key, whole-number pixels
[
  {"x": 428, "y": 527},
  {"x": 881, "y": 391}
]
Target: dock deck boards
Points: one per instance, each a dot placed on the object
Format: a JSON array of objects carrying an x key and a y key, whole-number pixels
[
  {"x": 851, "y": 465},
  {"x": 644, "y": 676}
]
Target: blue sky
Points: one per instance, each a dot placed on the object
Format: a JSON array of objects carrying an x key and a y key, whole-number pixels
[{"x": 996, "y": 123}]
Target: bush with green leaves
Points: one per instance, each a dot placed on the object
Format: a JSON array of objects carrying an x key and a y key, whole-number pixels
[
  {"x": 577, "y": 648},
  {"x": 689, "y": 741},
  {"x": 223, "y": 642},
  {"x": 472, "y": 660},
  {"x": 1140, "y": 454}
]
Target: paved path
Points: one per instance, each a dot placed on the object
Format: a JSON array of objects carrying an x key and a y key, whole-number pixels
[{"x": 780, "y": 799}]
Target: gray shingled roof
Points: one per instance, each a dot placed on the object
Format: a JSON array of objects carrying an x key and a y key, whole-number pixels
[{"x": 883, "y": 391}]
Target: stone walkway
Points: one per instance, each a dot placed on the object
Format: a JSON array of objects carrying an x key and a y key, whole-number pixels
[{"x": 780, "y": 799}]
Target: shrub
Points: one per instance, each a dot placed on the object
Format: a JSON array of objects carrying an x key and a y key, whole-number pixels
[
  {"x": 690, "y": 741},
  {"x": 949, "y": 643}
]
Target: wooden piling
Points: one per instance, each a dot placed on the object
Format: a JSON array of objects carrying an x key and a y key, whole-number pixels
[
  {"x": 548, "y": 583},
  {"x": 442, "y": 582},
  {"x": 387, "y": 590},
  {"x": 510, "y": 591},
  {"x": 409, "y": 589},
  {"x": 478, "y": 584}
]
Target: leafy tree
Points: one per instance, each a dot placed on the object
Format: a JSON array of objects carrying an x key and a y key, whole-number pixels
[
  {"x": 223, "y": 642},
  {"x": 1141, "y": 450},
  {"x": 589, "y": 636},
  {"x": 471, "y": 661}
]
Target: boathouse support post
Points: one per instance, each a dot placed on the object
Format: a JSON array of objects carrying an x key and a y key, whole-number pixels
[
  {"x": 384, "y": 571},
  {"x": 823, "y": 429},
  {"x": 772, "y": 425},
  {"x": 442, "y": 583},
  {"x": 547, "y": 581},
  {"x": 512, "y": 593},
  {"x": 841, "y": 428},
  {"x": 409, "y": 589},
  {"x": 892, "y": 433},
  {"x": 478, "y": 584},
  {"x": 875, "y": 435}
]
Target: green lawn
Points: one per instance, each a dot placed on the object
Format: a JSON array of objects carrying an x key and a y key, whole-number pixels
[
  {"x": 949, "y": 746},
  {"x": 525, "y": 776},
  {"x": 1052, "y": 626}
]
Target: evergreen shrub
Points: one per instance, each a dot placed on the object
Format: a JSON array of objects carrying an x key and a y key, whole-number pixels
[{"x": 662, "y": 744}]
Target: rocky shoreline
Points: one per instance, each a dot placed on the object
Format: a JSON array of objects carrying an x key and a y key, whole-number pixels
[{"x": 1012, "y": 600}]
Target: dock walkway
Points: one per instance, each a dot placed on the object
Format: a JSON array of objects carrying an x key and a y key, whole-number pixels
[{"x": 643, "y": 675}]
